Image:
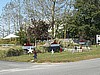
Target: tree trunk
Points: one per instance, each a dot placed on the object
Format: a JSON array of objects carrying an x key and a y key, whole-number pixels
[{"x": 53, "y": 13}]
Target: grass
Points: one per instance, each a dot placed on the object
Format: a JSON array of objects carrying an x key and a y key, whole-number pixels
[{"x": 58, "y": 57}]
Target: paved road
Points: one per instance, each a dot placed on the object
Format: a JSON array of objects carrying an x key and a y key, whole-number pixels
[{"x": 86, "y": 67}]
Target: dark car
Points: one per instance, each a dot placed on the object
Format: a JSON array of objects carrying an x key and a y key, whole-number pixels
[{"x": 54, "y": 47}]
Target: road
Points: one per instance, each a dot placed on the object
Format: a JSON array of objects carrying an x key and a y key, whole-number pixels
[{"x": 85, "y": 67}]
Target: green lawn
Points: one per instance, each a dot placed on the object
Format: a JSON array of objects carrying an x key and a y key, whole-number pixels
[{"x": 58, "y": 57}]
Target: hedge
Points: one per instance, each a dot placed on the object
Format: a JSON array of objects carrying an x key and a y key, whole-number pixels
[{"x": 11, "y": 52}]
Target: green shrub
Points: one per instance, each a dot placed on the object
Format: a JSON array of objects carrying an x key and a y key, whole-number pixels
[
  {"x": 14, "y": 52},
  {"x": 2, "y": 53},
  {"x": 42, "y": 48}
]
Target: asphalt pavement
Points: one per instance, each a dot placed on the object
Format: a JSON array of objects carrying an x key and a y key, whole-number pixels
[{"x": 85, "y": 67}]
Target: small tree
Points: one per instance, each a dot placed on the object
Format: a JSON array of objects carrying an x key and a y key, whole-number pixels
[{"x": 38, "y": 30}]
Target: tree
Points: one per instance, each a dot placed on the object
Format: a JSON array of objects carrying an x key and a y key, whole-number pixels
[
  {"x": 48, "y": 10},
  {"x": 86, "y": 17},
  {"x": 38, "y": 30},
  {"x": 62, "y": 15},
  {"x": 12, "y": 17}
]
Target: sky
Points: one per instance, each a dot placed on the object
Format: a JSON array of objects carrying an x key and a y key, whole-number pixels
[{"x": 2, "y": 4}]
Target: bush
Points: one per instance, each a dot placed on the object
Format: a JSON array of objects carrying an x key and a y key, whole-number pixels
[
  {"x": 14, "y": 52},
  {"x": 42, "y": 49},
  {"x": 2, "y": 53}
]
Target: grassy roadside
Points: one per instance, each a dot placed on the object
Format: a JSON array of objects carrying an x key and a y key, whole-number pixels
[{"x": 58, "y": 57}]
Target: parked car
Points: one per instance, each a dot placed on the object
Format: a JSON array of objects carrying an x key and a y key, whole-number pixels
[
  {"x": 54, "y": 47},
  {"x": 28, "y": 48}
]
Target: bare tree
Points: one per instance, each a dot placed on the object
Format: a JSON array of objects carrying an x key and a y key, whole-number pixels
[
  {"x": 48, "y": 10},
  {"x": 11, "y": 16}
]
